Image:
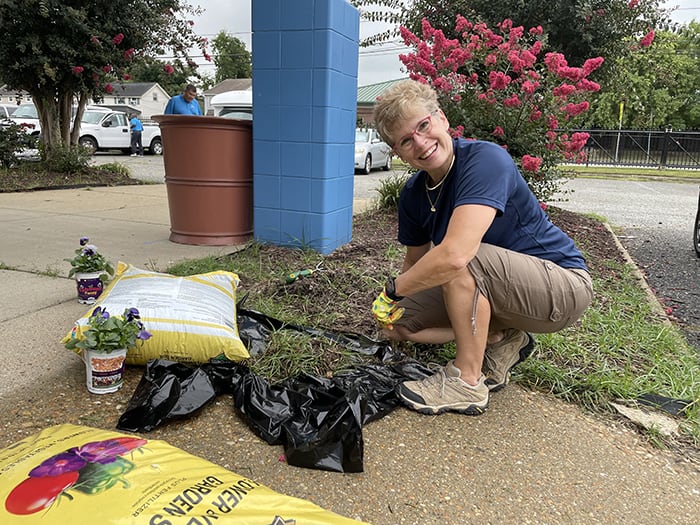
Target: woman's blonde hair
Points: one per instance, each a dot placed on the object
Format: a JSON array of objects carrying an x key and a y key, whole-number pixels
[{"x": 397, "y": 100}]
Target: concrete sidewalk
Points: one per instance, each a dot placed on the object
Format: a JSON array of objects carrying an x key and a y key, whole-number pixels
[{"x": 529, "y": 459}]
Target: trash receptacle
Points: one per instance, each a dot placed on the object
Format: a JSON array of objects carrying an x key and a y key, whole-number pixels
[{"x": 209, "y": 178}]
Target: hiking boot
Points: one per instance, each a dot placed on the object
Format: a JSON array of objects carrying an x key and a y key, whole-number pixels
[
  {"x": 501, "y": 357},
  {"x": 445, "y": 391}
]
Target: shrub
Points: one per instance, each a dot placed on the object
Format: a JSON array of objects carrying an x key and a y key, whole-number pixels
[
  {"x": 13, "y": 140},
  {"x": 68, "y": 159},
  {"x": 492, "y": 86}
]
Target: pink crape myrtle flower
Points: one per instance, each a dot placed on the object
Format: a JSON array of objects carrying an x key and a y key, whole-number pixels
[
  {"x": 76, "y": 70},
  {"x": 118, "y": 39},
  {"x": 109, "y": 88},
  {"x": 168, "y": 69},
  {"x": 647, "y": 40},
  {"x": 531, "y": 163}
]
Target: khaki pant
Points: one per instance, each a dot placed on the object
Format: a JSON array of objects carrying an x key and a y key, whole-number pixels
[{"x": 526, "y": 293}]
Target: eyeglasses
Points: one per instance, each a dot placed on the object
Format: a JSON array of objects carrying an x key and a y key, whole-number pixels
[{"x": 406, "y": 143}]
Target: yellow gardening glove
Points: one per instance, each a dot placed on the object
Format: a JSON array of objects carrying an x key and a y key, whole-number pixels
[{"x": 385, "y": 311}]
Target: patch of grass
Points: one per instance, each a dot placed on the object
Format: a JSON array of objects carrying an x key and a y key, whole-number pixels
[{"x": 620, "y": 349}]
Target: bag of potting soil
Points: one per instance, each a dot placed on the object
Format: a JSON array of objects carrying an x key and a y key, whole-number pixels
[
  {"x": 81, "y": 475},
  {"x": 192, "y": 319}
]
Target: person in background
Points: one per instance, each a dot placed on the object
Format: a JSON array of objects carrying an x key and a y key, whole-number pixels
[
  {"x": 136, "y": 128},
  {"x": 484, "y": 266},
  {"x": 185, "y": 104}
]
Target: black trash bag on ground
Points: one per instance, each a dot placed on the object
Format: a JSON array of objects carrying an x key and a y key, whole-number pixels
[
  {"x": 317, "y": 420},
  {"x": 167, "y": 391}
]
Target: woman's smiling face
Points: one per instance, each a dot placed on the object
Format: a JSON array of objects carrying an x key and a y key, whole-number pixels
[{"x": 422, "y": 140}]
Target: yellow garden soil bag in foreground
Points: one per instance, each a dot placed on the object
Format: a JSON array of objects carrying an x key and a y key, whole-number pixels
[
  {"x": 81, "y": 475},
  {"x": 192, "y": 319}
]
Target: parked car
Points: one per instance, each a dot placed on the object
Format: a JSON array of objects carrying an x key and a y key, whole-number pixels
[
  {"x": 6, "y": 110},
  {"x": 104, "y": 129},
  {"x": 26, "y": 116},
  {"x": 370, "y": 151}
]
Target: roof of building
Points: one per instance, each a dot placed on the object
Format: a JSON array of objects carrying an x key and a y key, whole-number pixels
[
  {"x": 230, "y": 84},
  {"x": 368, "y": 94},
  {"x": 132, "y": 89}
]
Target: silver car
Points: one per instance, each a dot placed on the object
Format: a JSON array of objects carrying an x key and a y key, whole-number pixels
[{"x": 370, "y": 151}]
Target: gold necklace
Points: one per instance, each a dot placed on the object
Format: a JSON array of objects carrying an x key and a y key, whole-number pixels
[
  {"x": 433, "y": 204},
  {"x": 428, "y": 189}
]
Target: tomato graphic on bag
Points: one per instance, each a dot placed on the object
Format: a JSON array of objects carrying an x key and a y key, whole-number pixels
[
  {"x": 35, "y": 494},
  {"x": 91, "y": 468}
]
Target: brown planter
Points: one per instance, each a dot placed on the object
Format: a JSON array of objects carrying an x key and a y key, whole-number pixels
[{"x": 209, "y": 178}]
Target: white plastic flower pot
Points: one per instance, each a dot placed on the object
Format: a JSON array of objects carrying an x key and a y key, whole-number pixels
[{"x": 104, "y": 372}]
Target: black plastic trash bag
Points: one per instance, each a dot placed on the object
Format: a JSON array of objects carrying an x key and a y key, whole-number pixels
[{"x": 317, "y": 420}]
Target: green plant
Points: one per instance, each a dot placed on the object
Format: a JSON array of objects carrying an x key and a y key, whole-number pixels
[
  {"x": 106, "y": 333},
  {"x": 67, "y": 159},
  {"x": 13, "y": 140},
  {"x": 88, "y": 260},
  {"x": 389, "y": 190},
  {"x": 115, "y": 167}
]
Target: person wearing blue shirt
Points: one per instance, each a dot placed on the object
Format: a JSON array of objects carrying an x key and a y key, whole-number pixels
[
  {"x": 184, "y": 104},
  {"x": 484, "y": 266},
  {"x": 136, "y": 128}
]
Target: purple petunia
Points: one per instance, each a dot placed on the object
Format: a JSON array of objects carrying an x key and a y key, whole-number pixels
[
  {"x": 58, "y": 464},
  {"x": 102, "y": 452}
]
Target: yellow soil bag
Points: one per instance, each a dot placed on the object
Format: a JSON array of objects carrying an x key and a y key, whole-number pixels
[
  {"x": 81, "y": 475},
  {"x": 192, "y": 319}
]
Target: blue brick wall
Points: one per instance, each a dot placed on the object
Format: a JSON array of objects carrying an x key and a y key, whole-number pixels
[{"x": 305, "y": 61}]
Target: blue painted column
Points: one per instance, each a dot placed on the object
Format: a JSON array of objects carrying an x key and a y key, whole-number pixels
[{"x": 305, "y": 60}]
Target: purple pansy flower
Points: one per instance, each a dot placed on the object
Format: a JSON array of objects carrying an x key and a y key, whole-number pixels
[{"x": 84, "y": 241}]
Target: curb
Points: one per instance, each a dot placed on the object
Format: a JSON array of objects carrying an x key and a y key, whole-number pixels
[{"x": 653, "y": 299}]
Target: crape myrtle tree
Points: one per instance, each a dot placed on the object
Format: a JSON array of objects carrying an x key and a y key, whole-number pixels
[
  {"x": 66, "y": 52},
  {"x": 498, "y": 84}
]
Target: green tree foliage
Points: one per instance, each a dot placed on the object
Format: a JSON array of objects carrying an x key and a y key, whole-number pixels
[
  {"x": 149, "y": 69},
  {"x": 656, "y": 85},
  {"x": 66, "y": 52},
  {"x": 231, "y": 58}
]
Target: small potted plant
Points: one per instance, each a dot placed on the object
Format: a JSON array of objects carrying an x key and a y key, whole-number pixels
[
  {"x": 103, "y": 344},
  {"x": 91, "y": 271}
]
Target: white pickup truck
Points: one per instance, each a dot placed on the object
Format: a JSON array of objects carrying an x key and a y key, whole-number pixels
[{"x": 105, "y": 129}]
